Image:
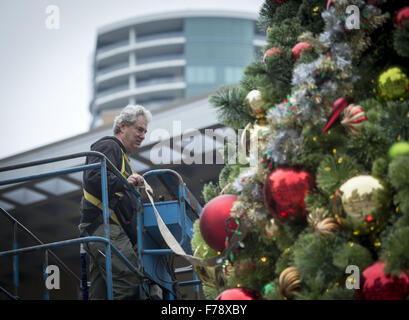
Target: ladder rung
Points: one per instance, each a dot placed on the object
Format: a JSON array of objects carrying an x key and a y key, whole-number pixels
[{"x": 184, "y": 269}]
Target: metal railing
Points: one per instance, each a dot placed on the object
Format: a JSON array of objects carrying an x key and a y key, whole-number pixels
[
  {"x": 186, "y": 199},
  {"x": 18, "y": 225},
  {"x": 103, "y": 164}
]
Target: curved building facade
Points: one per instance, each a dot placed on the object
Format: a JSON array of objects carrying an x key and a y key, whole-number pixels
[{"x": 158, "y": 59}]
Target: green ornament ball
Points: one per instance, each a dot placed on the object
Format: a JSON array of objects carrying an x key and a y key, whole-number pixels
[
  {"x": 393, "y": 84},
  {"x": 398, "y": 149}
]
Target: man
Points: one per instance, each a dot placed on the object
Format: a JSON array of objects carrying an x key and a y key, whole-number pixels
[{"x": 129, "y": 131}]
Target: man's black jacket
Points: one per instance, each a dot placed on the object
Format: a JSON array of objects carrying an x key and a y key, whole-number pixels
[{"x": 125, "y": 205}]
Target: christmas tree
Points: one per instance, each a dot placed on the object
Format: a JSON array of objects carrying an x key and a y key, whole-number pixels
[{"x": 321, "y": 208}]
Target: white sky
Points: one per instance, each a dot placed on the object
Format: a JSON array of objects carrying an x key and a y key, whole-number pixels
[{"x": 45, "y": 75}]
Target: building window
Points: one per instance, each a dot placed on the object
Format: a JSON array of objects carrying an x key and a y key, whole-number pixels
[
  {"x": 232, "y": 74},
  {"x": 202, "y": 74}
]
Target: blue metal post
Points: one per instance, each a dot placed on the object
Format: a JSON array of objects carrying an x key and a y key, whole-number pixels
[
  {"x": 46, "y": 293},
  {"x": 15, "y": 260},
  {"x": 108, "y": 266},
  {"x": 84, "y": 280},
  {"x": 182, "y": 212},
  {"x": 139, "y": 221},
  {"x": 196, "y": 287}
]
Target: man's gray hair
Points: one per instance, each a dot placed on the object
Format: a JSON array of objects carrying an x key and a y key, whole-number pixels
[{"x": 129, "y": 115}]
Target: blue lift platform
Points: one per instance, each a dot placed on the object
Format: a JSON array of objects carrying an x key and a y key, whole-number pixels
[{"x": 178, "y": 212}]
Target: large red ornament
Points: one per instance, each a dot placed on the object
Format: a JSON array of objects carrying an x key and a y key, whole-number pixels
[
  {"x": 298, "y": 48},
  {"x": 213, "y": 221},
  {"x": 284, "y": 192},
  {"x": 239, "y": 294},
  {"x": 377, "y": 285},
  {"x": 403, "y": 15}
]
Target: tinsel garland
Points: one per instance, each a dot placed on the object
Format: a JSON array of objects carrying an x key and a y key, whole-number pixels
[
  {"x": 330, "y": 239},
  {"x": 319, "y": 83},
  {"x": 316, "y": 85}
]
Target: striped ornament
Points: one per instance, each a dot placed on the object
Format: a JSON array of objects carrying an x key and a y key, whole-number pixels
[
  {"x": 354, "y": 116},
  {"x": 327, "y": 227},
  {"x": 289, "y": 282}
]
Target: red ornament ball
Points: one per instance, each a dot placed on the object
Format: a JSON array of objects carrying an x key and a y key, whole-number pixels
[
  {"x": 275, "y": 51},
  {"x": 403, "y": 15},
  {"x": 279, "y": 2},
  {"x": 213, "y": 221},
  {"x": 284, "y": 192},
  {"x": 377, "y": 285},
  {"x": 239, "y": 294},
  {"x": 298, "y": 48}
]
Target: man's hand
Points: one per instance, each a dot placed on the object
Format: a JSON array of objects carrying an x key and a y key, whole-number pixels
[{"x": 135, "y": 180}]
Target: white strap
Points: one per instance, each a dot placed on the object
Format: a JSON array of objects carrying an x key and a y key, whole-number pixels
[{"x": 170, "y": 240}]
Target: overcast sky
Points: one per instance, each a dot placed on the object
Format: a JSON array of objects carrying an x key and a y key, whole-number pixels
[{"x": 45, "y": 75}]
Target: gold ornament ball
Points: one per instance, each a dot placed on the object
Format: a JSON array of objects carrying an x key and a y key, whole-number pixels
[
  {"x": 357, "y": 196},
  {"x": 393, "y": 84},
  {"x": 255, "y": 104}
]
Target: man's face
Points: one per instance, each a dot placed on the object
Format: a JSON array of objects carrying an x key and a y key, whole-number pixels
[{"x": 134, "y": 134}]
